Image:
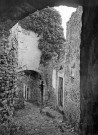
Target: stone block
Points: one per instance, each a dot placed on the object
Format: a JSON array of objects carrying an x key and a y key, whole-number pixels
[{"x": 53, "y": 114}]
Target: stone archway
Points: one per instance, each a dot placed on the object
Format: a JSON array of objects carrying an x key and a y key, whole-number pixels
[
  {"x": 88, "y": 86},
  {"x": 15, "y": 35},
  {"x": 28, "y": 88}
]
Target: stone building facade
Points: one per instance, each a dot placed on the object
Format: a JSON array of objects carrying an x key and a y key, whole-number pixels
[
  {"x": 63, "y": 75},
  {"x": 28, "y": 59},
  {"x": 28, "y": 52},
  {"x": 28, "y": 88},
  {"x": 72, "y": 58},
  {"x": 89, "y": 57}
]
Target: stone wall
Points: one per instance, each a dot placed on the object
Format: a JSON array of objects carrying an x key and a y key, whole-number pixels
[
  {"x": 8, "y": 74},
  {"x": 28, "y": 52},
  {"x": 72, "y": 71},
  {"x": 30, "y": 79},
  {"x": 67, "y": 67},
  {"x": 49, "y": 91},
  {"x": 28, "y": 58},
  {"x": 88, "y": 64}
]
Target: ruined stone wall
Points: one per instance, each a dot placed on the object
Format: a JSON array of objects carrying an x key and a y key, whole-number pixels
[
  {"x": 31, "y": 80},
  {"x": 50, "y": 98},
  {"x": 47, "y": 78},
  {"x": 8, "y": 67},
  {"x": 72, "y": 71},
  {"x": 28, "y": 58},
  {"x": 28, "y": 52},
  {"x": 51, "y": 80},
  {"x": 68, "y": 66}
]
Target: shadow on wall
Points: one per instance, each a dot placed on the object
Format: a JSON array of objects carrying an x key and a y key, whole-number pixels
[{"x": 28, "y": 88}]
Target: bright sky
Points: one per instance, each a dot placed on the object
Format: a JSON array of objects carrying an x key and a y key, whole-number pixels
[{"x": 65, "y": 12}]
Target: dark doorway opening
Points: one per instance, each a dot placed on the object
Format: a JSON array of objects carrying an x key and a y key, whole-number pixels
[{"x": 60, "y": 92}]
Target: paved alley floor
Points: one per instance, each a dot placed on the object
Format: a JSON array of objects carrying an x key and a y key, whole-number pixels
[{"x": 36, "y": 123}]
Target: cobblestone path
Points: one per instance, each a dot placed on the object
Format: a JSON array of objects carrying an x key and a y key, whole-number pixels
[{"x": 36, "y": 123}]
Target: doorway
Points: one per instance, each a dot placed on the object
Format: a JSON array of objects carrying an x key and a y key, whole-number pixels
[
  {"x": 26, "y": 92},
  {"x": 60, "y": 92}
]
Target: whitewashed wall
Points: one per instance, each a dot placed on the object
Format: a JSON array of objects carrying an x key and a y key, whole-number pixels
[{"x": 28, "y": 52}]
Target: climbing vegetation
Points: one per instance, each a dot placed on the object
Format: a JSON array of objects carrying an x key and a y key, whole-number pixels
[{"x": 47, "y": 24}]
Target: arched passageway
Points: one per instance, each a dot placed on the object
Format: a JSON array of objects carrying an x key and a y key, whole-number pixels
[
  {"x": 88, "y": 60},
  {"x": 28, "y": 89}
]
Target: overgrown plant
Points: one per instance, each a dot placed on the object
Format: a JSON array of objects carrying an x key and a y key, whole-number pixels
[
  {"x": 12, "y": 128},
  {"x": 47, "y": 23}
]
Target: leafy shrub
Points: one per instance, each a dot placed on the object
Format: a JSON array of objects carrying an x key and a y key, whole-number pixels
[
  {"x": 47, "y": 24},
  {"x": 12, "y": 129}
]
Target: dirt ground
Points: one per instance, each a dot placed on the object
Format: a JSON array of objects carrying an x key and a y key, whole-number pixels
[{"x": 36, "y": 123}]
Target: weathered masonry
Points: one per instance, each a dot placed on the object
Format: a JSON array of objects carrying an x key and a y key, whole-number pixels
[
  {"x": 8, "y": 68},
  {"x": 63, "y": 76},
  {"x": 28, "y": 88},
  {"x": 28, "y": 59},
  {"x": 11, "y": 12}
]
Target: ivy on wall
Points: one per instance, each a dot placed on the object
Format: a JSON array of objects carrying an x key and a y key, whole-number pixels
[{"x": 47, "y": 24}]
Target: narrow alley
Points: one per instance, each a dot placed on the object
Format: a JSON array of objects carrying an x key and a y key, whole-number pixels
[{"x": 35, "y": 123}]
